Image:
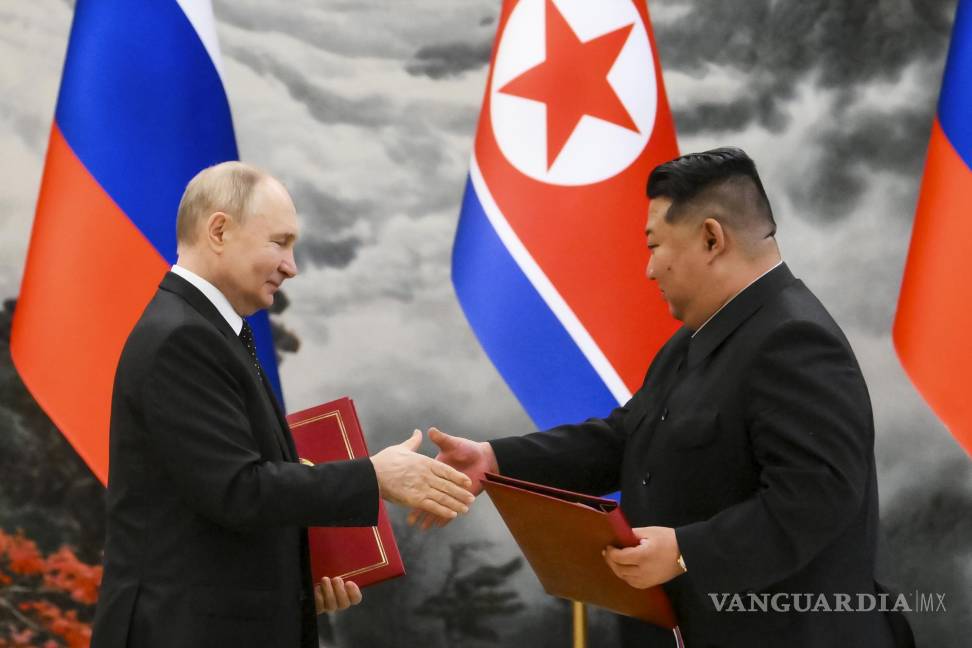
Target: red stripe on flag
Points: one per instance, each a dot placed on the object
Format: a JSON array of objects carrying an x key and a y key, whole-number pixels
[
  {"x": 589, "y": 239},
  {"x": 933, "y": 325},
  {"x": 88, "y": 276}
]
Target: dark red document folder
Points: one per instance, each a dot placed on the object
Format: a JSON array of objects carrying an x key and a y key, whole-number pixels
[
  {"x": 562, "y": 534},
  {"x": 365, "y": 555}
]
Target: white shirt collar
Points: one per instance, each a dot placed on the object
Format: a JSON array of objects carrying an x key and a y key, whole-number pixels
[
  {"x": 778, "y": 264},
  {"x": 214, "y": 295}
]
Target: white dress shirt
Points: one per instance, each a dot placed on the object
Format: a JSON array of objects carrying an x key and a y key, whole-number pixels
[{"x": 214, "y": 295}]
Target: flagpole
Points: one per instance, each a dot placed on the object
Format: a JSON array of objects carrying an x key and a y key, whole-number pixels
[{"x": 580, "y": 624}]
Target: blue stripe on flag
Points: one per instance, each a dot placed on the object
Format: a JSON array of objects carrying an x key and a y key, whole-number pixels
[
  {"x": 955, "y": 103},
  {"x": 525, "y": 341},
  {"x": 143, "y": 108}
]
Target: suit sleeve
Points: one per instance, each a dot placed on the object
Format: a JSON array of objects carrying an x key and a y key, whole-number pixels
[
  {"x": 585, "y": 457},
  {"x": 808, "y": 415},
  {"x": 197, "y": 428}
]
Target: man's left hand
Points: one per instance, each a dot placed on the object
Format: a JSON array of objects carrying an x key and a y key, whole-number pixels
[
  {"x": 653, "y": 562},
  {"x": 333, "y": 594}
]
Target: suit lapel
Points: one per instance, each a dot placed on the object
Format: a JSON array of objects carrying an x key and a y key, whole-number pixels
[
  {"x": 736, "y": 312},
  {"x": 288, "y": 439},
  {"x": 688, "y": 352},
  {"x": 269, "y": 399},
  {"x": 667, "y": 376},
  {"x": 176, "y": 284}
]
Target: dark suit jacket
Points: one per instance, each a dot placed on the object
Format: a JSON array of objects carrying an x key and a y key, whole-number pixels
[
  {"x": 206, "y": 504},
  {"x": 755, "y": 441}
]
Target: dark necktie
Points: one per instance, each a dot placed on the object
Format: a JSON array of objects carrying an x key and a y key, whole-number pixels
[{"x": 246, "y": 337}]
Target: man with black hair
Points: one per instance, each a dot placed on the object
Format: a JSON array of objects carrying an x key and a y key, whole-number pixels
[{"x": 746, "y": 460}]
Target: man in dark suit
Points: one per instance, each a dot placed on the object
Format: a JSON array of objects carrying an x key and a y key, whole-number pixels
[
  {"x": 746, "y": 459},
  {"x": 207, "y": 502}
]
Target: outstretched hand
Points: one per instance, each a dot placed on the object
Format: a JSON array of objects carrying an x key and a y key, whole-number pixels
[
  {"x": 411, "y": 479},
  {"x": 471, "y": 458}
]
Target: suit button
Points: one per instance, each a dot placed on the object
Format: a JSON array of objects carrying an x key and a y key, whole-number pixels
[
  {"x": 644, "y": 481},
  {"x": 664, "y": 414}
]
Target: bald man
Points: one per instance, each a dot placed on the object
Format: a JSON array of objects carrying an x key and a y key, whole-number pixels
[
  {"x": 746, "y": 460},
  {"x": 207, "y": 502}
]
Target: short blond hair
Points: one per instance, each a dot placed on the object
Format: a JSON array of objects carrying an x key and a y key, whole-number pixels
[{"x": 224, "y": 187}]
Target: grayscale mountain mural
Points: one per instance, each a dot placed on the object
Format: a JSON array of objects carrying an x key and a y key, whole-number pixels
[{"x": 367, "y": 111}]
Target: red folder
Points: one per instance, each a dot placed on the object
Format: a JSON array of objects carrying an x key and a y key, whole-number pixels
[
  {"x": 365, "y": 555},
  {"x": 562, "y": 534}
]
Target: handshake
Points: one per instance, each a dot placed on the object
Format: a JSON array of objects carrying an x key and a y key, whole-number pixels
[
  {"x": 440, "y": 490},
  {"x": 437, "y": 490}
]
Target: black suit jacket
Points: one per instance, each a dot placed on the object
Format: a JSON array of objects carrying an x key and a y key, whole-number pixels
[
  {"x": 755, "y": 441},
  {"x": 206, "y": 503}
]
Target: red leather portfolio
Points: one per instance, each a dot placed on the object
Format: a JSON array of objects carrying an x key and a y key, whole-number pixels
[
  {"x": 365, "y": 555},
  {"x": 562, "y": 534}
]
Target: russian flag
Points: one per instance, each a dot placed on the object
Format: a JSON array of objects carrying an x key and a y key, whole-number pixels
[
  {"x": 141, "y": 109},
  {"x": 549, "y": 257},
  {"x": 933, "y": 325}
]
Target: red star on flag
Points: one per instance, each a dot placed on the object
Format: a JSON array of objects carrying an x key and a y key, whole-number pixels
[{"x": 572, "y": 81}]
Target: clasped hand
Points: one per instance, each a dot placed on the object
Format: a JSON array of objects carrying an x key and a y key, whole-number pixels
[
  {"x": 333, "y": 594},
  {"x": 471, "y": 458},
  {"x": 652, "y": 562},
  {"x": 411, "y": 479}
]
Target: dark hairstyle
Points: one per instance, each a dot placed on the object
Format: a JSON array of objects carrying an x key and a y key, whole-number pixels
[{"x": 724, "y": 178}]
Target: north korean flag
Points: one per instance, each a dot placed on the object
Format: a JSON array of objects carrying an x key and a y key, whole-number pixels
[{"x": 549, "y": 257}]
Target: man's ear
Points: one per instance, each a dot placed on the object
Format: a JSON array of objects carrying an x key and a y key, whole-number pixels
[
  {"x": 713, "y": 236},
  {"x": 216, "y": 227}
]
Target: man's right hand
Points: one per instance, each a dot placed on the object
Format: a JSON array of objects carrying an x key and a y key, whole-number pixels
[
  {"x": 411, "y": 479},
  {"x": 471, "y": 458}
]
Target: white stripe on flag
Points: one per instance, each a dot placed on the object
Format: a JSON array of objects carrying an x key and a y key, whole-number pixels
[
  {"x": 200, "y": 14},
  {"x": 546, "y": 289}
]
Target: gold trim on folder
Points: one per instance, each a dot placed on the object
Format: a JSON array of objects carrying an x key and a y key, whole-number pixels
[{"x": 347, "y": 444}]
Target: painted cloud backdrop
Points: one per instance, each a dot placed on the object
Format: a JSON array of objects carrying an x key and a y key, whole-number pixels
[{"x": 367, "y": 111}]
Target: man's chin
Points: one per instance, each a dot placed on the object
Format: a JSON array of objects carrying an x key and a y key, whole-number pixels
[{"x": 257, "y": 306}]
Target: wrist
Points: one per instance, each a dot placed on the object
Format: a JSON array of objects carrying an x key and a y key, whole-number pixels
[
  {"x": 490, "y": 456},
  {"x": 375, "y": 465}
]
